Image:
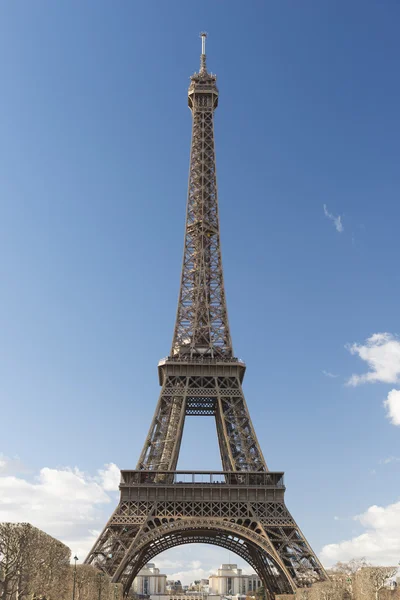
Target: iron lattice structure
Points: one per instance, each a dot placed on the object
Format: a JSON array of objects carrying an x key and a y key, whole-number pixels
[{"x": 241, "y": 508}]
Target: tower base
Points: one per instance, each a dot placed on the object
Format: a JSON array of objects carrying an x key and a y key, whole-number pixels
[{"x": 241, "y": 511}]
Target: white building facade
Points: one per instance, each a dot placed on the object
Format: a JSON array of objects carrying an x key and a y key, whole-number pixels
[
  {"x": 150, "y": 582},
  {"x": 230, "y": 581}
]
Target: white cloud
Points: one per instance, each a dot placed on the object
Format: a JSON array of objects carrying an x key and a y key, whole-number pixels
[
  {"x": 337, "y": 221},
  {"x": 189, "y": 575},
  {"x": 329, "y": 374},
  {"x": 110, "y": 477},
  {"x": 196, "y": 561},
  {"x": 168, "y": 565},
  {"x": 392, "y": 405},
  {"x": 381, "y": 352},
  {"x": 379, "y": 543},
  {"x": 66, "y": 503},
  {"x": 192, "y": 572}
]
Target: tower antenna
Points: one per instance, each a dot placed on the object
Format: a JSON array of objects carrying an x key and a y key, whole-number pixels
[
  {"x": 203, "y": 65},
  {"x": 203, "y": 36}
]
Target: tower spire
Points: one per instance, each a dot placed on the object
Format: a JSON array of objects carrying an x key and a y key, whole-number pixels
[
  {"x": 203, "y": 64},
  {"x": 202, "y": 327}
]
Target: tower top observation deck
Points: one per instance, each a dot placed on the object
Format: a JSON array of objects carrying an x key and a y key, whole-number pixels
[{"x": 203, "y": 82}]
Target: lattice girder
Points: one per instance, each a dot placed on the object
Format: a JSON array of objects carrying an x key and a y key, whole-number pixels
[
  {"x": 209, "y": 394},
  {"x": 158, "y": 534},
  {"x": 242, "y": 508},
  {"x": 177, "y": 513},
  {"x": 202, "y": 326}
]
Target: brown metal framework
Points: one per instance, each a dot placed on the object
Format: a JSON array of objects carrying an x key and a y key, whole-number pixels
[{"x": 242, "y": 507}]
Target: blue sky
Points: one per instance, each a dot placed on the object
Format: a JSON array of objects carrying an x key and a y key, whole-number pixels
[{"x": 94, "y": 151}]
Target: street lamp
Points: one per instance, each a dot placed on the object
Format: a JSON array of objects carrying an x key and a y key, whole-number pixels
[
  {"x": 73, "y": 587},
  {"x": 115, "y": 591}
]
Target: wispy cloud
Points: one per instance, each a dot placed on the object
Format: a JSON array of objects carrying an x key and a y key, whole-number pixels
[
  {"x": 389, "y": 459},
  {"x": 11, "y": 465},
  {"x": 381, "y": 352},
  {"x": 337, "y": 221},
  {"x": 329, "y": 374}
]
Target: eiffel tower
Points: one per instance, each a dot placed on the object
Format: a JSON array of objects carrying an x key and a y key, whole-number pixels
[{"x": 241, "y": 508}]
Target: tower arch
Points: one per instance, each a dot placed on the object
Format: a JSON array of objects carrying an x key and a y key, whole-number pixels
[{"x": 239, "y": 539}]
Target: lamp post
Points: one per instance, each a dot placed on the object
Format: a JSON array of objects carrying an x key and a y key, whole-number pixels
[
  {"x": 73, "y": 587},
  {"x": 115, "y": 591},
  {"x": 100, "y": 583}
]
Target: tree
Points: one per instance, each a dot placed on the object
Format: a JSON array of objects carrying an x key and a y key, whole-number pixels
[
  {"x": 90, "y": 583},
  {"x": 9, "y": 559},
  {"x": 345, "y": 572},
  {"x": 85, "y": 582},
  {"x": 371, "y": 580},
  {"x": 327, "y": 590},
  {"x": 36, "y": 566},
  {"x": 32, "y": 563},
  {"x": 52, "y": 564},
  {"x": 303, "y": 593},
  {"x": 260, "y": 593},
  {"x": 116, "y": 592}
]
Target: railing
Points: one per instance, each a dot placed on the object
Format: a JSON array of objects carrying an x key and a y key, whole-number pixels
[
  {"x": 245, "y": 478},
  {"x": 201, "y": 359}
]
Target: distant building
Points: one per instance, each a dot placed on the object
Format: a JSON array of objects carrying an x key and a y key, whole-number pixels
[
  {"x": 227, "y": 581},
  {"x": 186, "y": 596},
  {"x": 174, "y": 587},
  {"x": 150, "y": 582},
  {"x": 199, "y": 585},
  {"x": 230, "y": 581}
]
